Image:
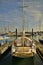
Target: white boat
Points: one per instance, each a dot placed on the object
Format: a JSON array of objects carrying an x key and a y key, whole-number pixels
[
  {"x": 23, "y": 50},
  {"x": 3, "y": 40}
]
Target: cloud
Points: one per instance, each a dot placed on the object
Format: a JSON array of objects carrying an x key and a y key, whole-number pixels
[{"x": 32, "y": 14}]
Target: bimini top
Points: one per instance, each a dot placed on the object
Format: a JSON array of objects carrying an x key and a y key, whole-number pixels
[{"x": 19, "y": 42}]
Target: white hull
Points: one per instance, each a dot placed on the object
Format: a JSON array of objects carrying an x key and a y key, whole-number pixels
[{"x": 23, "y": 51}]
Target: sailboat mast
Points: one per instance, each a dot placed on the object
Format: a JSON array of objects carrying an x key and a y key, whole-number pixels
[
  {"x": 8, "y": 26},
  {"x": 23, "y": 15},
  {"x": 23, "y": 21}
]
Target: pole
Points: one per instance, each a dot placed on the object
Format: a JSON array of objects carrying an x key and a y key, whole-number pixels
[
  {"x": 16, "y": 33},
  {"x": 23, "y": 32}
]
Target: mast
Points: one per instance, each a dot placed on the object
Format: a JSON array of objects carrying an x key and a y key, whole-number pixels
[
  {"x": 5, "y": 29},
  {"x": 8, "y": 27},
  {"x": 23, "y": 15},
  {"x": 23, "y": 21}
]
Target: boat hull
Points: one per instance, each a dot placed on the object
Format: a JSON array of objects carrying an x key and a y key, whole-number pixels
[
  {"x": 25, "y": 50},
  {"x": 41, "y": 41},
  {"x": 39, "y": 53},
  {"x": 22, "y": 56}
]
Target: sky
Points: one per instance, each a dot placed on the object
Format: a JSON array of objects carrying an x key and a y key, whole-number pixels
[{"x": 11, "y": 15}]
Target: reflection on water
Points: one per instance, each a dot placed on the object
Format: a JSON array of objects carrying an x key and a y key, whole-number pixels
[
  {"x": 9, "y": 60},
  {"x": 23, "y": 61}
]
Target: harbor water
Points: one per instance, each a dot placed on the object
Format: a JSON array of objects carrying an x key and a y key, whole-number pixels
[{"x": 7, "y": 59}]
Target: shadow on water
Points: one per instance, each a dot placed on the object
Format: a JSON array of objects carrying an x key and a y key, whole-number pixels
[
  {"x": 23, "y": 61},
  {"x": 7, "y": 59},
  {"x": 5, "y": 54}
]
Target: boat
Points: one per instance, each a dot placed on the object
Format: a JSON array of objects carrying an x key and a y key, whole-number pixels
[
  {"x": 41, "y": 39},
  {"x": 23, "y": 50},
  {"x": 3, "y": 45},
  {"x": 39, "y": 50},
  {"x": 1, "y": 41},
  {"x": 4, "y": 40},
  {"x": 23, "y": 47}
]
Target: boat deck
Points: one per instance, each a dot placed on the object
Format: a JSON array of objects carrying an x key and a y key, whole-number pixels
[{"x": 23, "y": 52}]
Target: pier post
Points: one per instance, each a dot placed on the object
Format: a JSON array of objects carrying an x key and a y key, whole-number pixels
[
  {"x": 16, "y": 33},
  {"x": 32, "y": 32}
]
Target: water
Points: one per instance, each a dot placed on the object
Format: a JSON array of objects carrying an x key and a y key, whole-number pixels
[{"x": 7, "y": 59}]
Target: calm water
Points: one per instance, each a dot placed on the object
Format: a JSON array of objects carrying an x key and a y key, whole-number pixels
[{"x": 7, "y": 59}]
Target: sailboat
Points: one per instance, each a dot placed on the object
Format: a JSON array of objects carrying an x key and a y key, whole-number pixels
[
  {"x": 23, "y": 47},
  {"x": 41, "y": 39}
]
